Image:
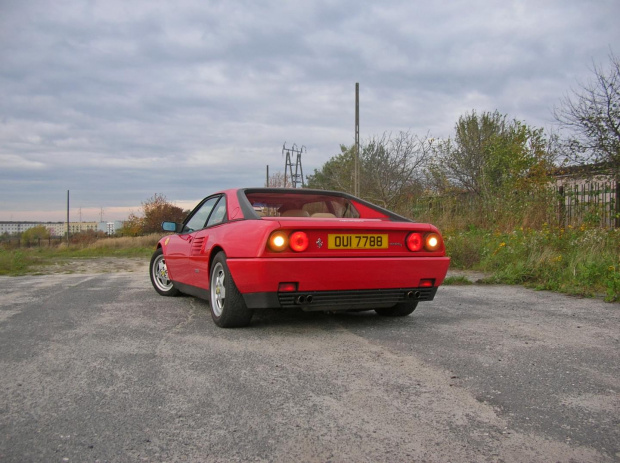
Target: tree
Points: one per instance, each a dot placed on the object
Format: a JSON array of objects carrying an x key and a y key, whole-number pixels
[
  {"x": 276, "y": 180},
  {"x": 591, "y": 114},
  {"x": 490, "y": 155},
  {"x": 35, "y": 233},
  {"x": 335, "y": 174},
  {"x": 155, "y": 210},
  {"x": 390, "y": 169}
]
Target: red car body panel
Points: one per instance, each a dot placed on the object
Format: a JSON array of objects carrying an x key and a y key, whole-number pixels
[
  {"x": 258, "y": 270},
  {"x": 336, "y": 274}
]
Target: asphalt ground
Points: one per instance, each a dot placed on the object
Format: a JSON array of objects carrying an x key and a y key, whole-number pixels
[{"x": 99, "y": 367}]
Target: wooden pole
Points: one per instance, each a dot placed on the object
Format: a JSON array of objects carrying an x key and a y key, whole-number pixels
[
  {"x": 67, "y": 217},
  {"x": 356, "y": 173}
]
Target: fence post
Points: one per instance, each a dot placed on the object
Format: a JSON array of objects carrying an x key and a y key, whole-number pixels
[
  {"x": 617, "y": 221},
  {"x": 561, "y": 207}
]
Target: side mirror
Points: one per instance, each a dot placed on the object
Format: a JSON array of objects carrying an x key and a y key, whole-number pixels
[{"x": 171, "y": 227}]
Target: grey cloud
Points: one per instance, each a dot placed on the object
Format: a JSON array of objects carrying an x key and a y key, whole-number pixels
[{"x": 118, "y": 100}]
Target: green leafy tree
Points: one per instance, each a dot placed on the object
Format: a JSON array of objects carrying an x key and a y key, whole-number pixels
[
  {"x": 337, "y": 173},
  {"x": 489, "y": 156},
  {"x": 35, "y": 233}
]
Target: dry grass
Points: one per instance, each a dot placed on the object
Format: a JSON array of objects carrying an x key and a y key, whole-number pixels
[{"x": 127, "y": 242}]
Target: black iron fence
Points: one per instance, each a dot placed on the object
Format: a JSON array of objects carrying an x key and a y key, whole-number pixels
[
  {"x": 595, "y": 203},
  {"x": 591, "y": 202}
]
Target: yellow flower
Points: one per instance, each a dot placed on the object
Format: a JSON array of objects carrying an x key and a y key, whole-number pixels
[{"x": 611, "y": 268}]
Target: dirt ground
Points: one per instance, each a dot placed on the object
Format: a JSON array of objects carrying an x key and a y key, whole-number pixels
[{"x": 95, "y": 265}]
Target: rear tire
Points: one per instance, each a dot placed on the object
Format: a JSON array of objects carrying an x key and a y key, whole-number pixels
[
  {"x": 159, "y": 275},
  {"x": 228, "y": 308},
  {"x": 402, "y": 309}
]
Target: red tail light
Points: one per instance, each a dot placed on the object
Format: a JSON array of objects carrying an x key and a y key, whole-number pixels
[
  {"x": 298, "y": 241},
  {"x": 414, "y": 242}
]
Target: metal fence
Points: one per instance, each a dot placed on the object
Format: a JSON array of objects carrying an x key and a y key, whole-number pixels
[
  {"x": 591, "y": 202},
  {"x": 595, "y": 203}
]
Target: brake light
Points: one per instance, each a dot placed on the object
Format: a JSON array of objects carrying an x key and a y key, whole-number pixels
[
  {"x": 298, "y": 241},
  {"x": 278, "y": 241},
  {"x": 414, "y": 242}
]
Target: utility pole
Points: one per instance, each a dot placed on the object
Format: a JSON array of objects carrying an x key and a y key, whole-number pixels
[
  {"x": 267, "y": 180},
  {"x": 356, "y": 167},
  {"x": 67, "y": 217}
]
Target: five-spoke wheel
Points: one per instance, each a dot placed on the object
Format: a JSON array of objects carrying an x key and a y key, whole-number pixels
[
  {"x": 159, "y": 275},
  {"x": 228, "y": 308}
]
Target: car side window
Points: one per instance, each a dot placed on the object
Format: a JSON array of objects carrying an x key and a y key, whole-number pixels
[
  {"x": 199, "y": 218},
  {"x": 219, "y": 213}
]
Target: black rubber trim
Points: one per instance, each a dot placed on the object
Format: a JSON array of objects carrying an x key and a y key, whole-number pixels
[{"x": 192, "y": 290}]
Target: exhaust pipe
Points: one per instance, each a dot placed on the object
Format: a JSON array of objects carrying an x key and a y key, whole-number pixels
[
  {"x": 301, "y": 300},
  {"x": 413, "y": 295}
]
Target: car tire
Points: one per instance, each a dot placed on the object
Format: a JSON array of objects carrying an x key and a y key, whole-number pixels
[
  {"x": 228, "y": 308},
  {"x": 401, "y": 309},
  {"x": 159, "y": 275}
]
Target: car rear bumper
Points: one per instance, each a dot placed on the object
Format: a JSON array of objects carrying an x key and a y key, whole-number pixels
[
  {"x": 337, "y": 281},
  {"x": 338, "y": 300}
]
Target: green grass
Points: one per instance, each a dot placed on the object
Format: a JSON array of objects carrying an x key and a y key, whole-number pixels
[
  {"x": 579, "y": 261},
  {"x": 24, "y": 261},
  {"x": 457, "y": 281}
]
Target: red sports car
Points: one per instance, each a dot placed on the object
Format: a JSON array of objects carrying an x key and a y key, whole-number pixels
[{"x": 253, "y": 248}]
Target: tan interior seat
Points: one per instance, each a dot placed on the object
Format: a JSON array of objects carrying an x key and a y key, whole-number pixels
[{"x": 295, "y": 213}]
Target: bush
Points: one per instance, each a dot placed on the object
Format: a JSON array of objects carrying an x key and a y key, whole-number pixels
[{"x": 581, "y": 261}]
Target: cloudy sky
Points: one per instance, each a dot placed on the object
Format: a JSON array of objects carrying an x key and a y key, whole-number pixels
[{"x": 117, "y": 100}]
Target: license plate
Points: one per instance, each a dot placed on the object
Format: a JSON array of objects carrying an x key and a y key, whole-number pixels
[{"x": 357, "y": 241}]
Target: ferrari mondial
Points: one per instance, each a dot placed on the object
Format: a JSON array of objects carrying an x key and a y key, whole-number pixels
[{"x": 254, "y": 248}]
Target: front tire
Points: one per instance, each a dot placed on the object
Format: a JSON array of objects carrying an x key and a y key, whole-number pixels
[
  {"x": 228, "y": 309},
  {"x": 402, "y": 309},
  {"x": 159, "y": 275}
]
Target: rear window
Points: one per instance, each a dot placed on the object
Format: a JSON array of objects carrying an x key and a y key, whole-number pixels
[{"x": 267, "y": 204}]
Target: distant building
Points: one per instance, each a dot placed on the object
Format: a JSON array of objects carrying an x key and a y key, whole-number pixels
[
  {"x": 14, "y": 228},
  {"x": 60, "y": 228},
  {"x": 110, "y": 228}
]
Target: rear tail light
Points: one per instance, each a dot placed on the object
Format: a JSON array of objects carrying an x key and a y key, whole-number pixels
[
  {"x": 278, "y": 241},
  {"x": 298, "y": 241},
  {"x": 432, "y": 242},
  {"x": 414, "y": 242},
  {"x": 281, "y": 241},
  {"x": 429, "y": 242}
]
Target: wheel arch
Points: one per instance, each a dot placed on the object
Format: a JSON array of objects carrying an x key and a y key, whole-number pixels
[{"x": 214, "y": 252}]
